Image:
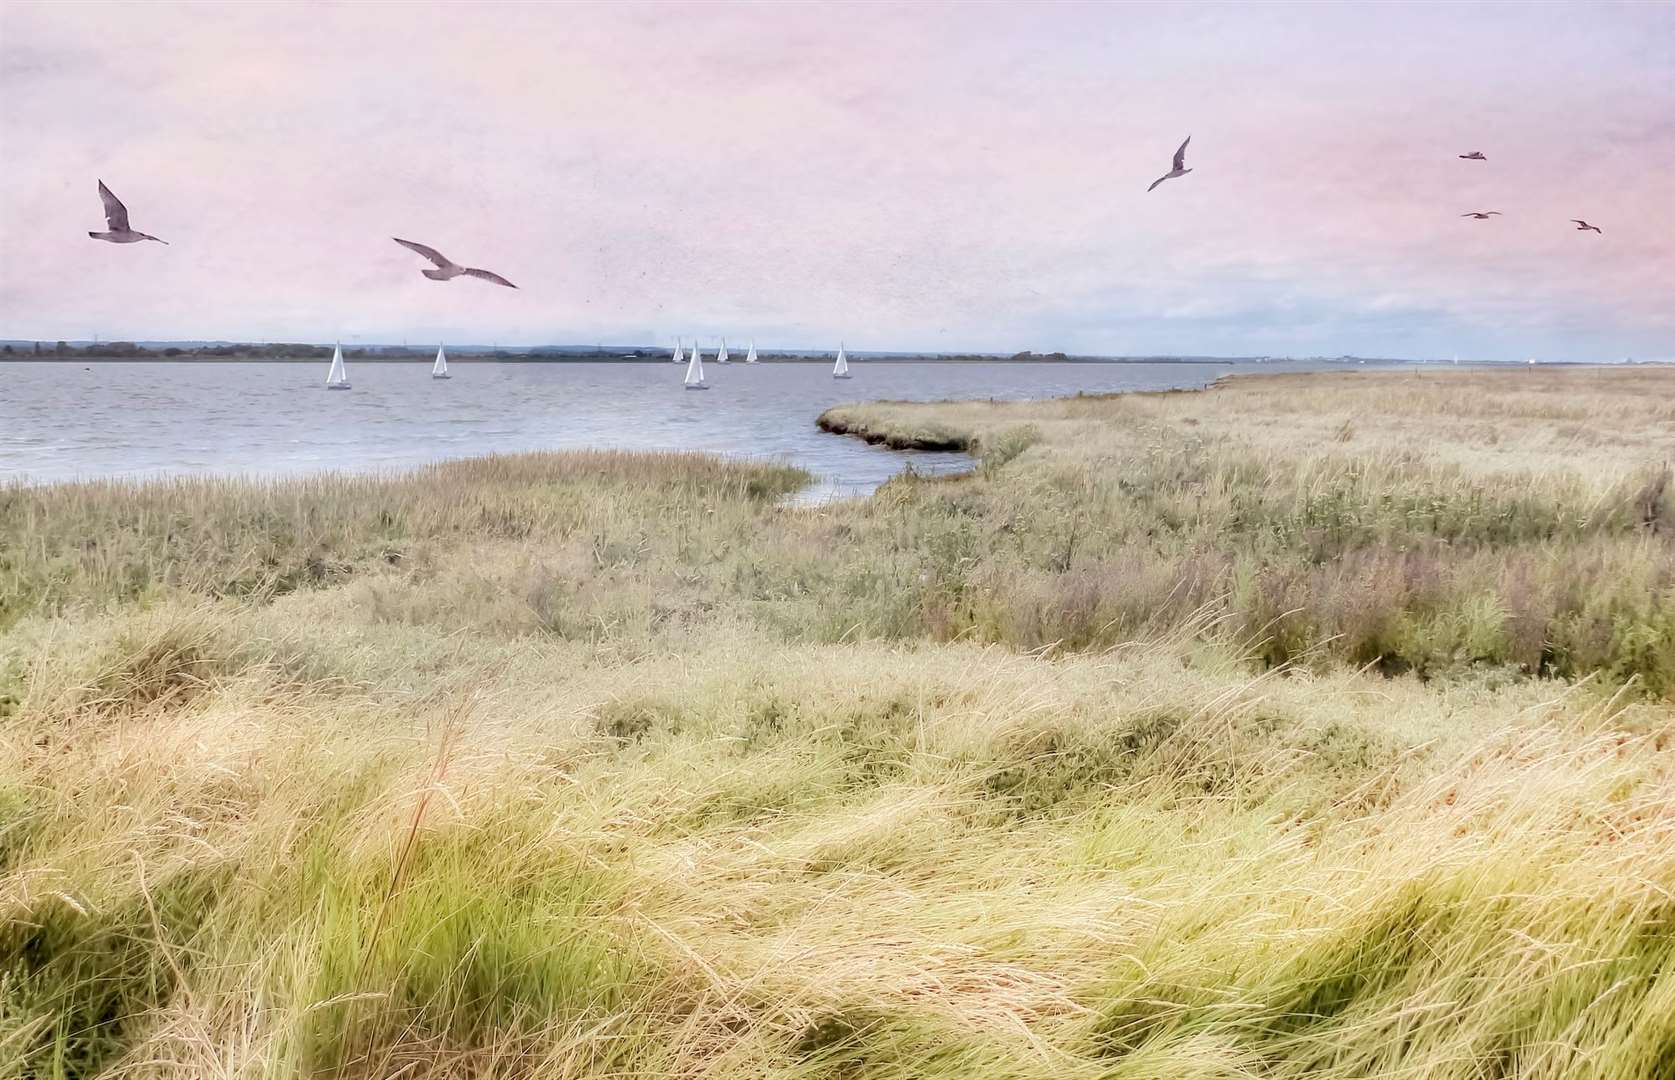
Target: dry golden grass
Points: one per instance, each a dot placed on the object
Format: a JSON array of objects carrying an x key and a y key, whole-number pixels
[
  {"x": 759, "y": 860},
  {"x": 1600, "y": 424},
  {"x": 623, "y": 769}
]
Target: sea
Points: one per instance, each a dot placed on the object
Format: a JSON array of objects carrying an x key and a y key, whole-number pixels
[{"x": 73, "y": 420}]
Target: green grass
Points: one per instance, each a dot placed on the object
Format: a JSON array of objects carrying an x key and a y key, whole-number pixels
[{"x": 1213, "y": 760}]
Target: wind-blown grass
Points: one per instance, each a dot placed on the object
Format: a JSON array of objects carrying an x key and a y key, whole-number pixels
[
  {"x": 623, "y": 768},
  {"x": 762, "y": 860}
]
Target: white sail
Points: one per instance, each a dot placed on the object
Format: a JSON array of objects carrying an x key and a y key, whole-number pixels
[
  {"x": 695, "y": 370},
  {"x": 750, "y": 357},
  {"x": 680, "y": 357},
  {"x": 337, "y": 378},
  {"x": 721, "y": 357},
  {"x": 840, "y": 370},
  {"x": 439, "y": 370}
]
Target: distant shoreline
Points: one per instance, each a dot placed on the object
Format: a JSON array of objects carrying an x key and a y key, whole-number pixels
[
  {"x": 594, "y": 359},
  {"x": 25, "y": 350},
  {"x": 871, "y": 358}
]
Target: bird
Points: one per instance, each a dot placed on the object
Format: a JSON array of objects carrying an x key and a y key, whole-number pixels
[
  {"x": 1475, "y": 155},
  {"x": 1583, "y": 226},
  {"x": 1179, "y": 168},
  {"x": 1481, "y": 215},
  {"x": 116, "y": 217},
  {"x": 446, "y": 268}
]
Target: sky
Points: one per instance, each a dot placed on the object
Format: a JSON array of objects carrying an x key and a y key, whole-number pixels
[{"x": 918, "y": 176}]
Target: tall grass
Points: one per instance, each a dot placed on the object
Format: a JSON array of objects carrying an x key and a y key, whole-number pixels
[
  {"x": 818, "y": 861},
  {"x": 1158, "y": 747},
  {"x": 92, "y": 542},
  {"x": 1427, "y": 523}
]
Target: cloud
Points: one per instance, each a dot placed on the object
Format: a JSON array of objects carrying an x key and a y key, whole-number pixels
[{"x": 955, "y": 176}]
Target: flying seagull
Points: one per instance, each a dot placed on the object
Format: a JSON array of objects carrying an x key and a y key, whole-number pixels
[
  {"x": 1482, "y": 215},
  {"x": 1583, "y": 226},
  {"x": 116, "y": 216},
  {"x": 446, "y": 268},
  {"x": 1475, "y": 155},
  {"x": 1180, "y": 166}
]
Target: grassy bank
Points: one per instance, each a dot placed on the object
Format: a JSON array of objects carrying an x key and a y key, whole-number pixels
[{"x": 611, "y": 765}]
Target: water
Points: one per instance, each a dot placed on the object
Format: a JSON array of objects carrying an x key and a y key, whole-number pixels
[{"x": 61, "y": 421}]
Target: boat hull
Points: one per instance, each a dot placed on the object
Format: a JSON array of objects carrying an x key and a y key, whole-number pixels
[
  {"x": 338, "y": 386},
  {"x": 441, "y": 376},
  {"x": 697, "y": 388},
  {"x": 840, "y": 376}
]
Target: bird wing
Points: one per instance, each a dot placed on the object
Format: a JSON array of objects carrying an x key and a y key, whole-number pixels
[
  {"x": 1160, "y": 180},
  {"x": 430, "y": 253},
  {"x": 1180, "y": 155},
  {"x": 488, "y": 275},
  {"x": 116, "y": 215}
]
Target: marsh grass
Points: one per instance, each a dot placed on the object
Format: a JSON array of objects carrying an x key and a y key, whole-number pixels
[
  {"x": 1140, "y": 752},
  {"x": 1455, "y": 526},
  {"x": 92, "y": 542},
  {"x": 1087, "y": 523}
]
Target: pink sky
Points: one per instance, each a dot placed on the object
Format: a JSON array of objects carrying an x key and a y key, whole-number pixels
[{"x": 925, "y": 176}]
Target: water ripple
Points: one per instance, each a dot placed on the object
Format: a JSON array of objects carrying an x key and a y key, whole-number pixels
[{"x": 274, "y": 419}]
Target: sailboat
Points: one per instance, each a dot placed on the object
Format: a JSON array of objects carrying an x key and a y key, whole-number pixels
[
  {"x": 721, "y": 357},
  {"x": 840, "y": 370},
  {"x": 695, "y": 369},
  {"x": 439, "y": 370},
  {"x": 337, "y": 378},
  {"x": 679, "y": 357},
  {"x": 750, "y": 357}
]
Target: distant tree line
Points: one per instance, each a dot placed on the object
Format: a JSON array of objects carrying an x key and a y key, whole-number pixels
[
  {"x": 291, "y": 350},
  {"x": 128, "y": 350}
]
